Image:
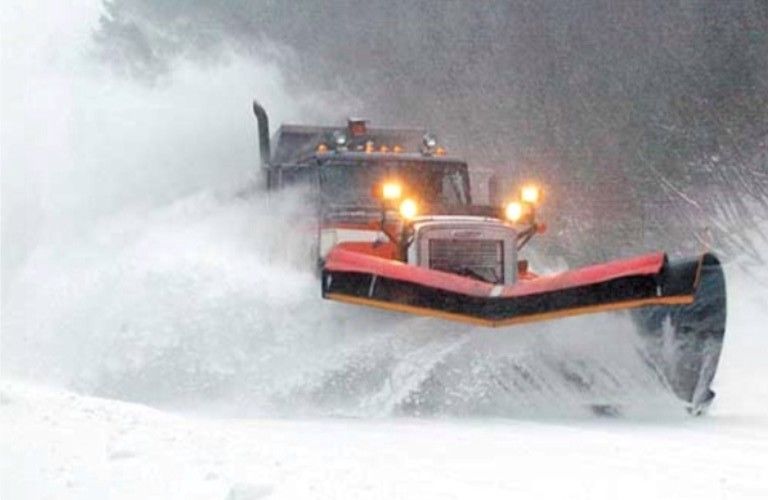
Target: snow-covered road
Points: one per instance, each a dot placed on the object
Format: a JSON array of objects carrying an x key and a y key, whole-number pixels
[{"x": 59, "y": 445}]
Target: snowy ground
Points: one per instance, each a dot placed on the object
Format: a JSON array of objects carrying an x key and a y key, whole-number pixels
[{"x": 59, "y": 445}]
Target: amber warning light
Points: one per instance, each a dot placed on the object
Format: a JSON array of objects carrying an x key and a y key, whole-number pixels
[{"x": 391, "y": 191}]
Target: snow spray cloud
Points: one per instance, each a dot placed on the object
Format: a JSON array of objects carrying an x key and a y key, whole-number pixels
[
  {"x": 80, "y": 143},
  {"x": 131, "y": 269},
  {"x": 89, "y": 157}
]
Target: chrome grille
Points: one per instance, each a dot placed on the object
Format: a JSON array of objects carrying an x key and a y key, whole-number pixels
[{"x": 481, "y": 259}]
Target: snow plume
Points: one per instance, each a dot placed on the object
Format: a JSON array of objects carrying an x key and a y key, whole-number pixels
[
  {"x": 81, "y": 143},
  {"x": 211, "y": 303},
  {"x": 108, "y": 184}
]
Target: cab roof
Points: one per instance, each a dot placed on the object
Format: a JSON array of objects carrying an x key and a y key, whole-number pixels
[{"x": 294, "y": 143}]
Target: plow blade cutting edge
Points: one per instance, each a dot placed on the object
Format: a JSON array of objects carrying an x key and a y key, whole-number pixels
[{"x": 679, "y": 306}]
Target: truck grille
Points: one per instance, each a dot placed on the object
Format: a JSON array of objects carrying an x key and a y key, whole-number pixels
[{"x": 480, "y": 259}]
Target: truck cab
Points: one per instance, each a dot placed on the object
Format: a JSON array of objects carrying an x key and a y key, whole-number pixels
[{"x": 429, "y": 222}]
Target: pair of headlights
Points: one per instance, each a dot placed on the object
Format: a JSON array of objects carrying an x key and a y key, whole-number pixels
[
  {"x": 514, "y": 211},
  {"x": 392, "y": 192},
  {"x": 517, "y": 210}
]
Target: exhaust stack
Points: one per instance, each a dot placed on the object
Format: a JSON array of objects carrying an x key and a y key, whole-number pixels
[{"x": 263, "y": 121}]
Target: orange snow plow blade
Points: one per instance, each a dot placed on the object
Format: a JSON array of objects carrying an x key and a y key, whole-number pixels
[{"x": 679, "y": 306}]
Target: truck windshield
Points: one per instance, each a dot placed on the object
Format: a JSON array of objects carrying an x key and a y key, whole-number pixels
[{"x": 351, "y": 183}]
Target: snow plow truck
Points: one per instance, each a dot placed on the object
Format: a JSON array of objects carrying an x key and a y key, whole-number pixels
[{"x": 397, "y": 229}]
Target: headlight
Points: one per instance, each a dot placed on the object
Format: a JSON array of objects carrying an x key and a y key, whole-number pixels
[
  {"x": 530, "y": 194},
  {"x": 513, "y": 211},
  {"x": 409, "y": 209},
  {"x": 391, "y": 191}
]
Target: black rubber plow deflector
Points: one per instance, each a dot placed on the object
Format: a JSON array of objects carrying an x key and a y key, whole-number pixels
[{"x": 686, "y": 340}]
